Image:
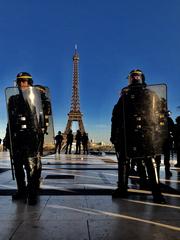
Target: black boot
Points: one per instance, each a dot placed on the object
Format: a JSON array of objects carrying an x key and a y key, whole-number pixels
[
  {"x": 20, "y": 195},
  {"x": 168, "y": 173},
  {"x": 177, "y": 165},
  {"x": 159, "y": 199},
  {"x": 32, "y": 194},
  {"x": 144, "y": 185},
  {"x": 32, "y": 200},
  {"x": 120, "y": 193}
]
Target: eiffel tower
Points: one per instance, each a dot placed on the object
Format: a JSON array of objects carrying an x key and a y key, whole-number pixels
[{"x": 75, "y": 114}]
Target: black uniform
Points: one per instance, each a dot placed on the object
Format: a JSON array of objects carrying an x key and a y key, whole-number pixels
[
  {"x": 25, "y": 133},
  {"x": 78, "y": 139},
  {"x": 177, "y": 141},
  {"x": 58, "y": 139},
  {"x": 168, "y": 145},
  {"x": 69, "y": 142},
  {"x": 136, "y": 134},
  {"x": 85, "y": 141}
]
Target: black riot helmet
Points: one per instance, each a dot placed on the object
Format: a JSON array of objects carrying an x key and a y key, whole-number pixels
[
  {"x": 24, "y": 76},
  {"x": 136, "y": 76}
]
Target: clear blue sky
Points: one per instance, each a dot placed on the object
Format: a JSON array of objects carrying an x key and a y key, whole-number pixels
[{"x": 113, "y": 37}]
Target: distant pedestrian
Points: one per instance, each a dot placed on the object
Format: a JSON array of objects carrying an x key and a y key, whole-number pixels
[
  {"x": 78, "y": 138},
  {"x": 0, "y": 141},
  {"x": 58, "y": 140},
  {"x": 69, "y": 142},
  {"x": 85, "y": 141}
]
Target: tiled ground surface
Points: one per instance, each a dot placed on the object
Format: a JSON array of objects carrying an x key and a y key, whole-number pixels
[{"x": 81, "y": 207}]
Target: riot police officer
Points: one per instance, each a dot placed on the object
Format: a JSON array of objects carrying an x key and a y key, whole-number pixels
[
  {"x": 168, "y": 145},
  {"x": 78, "y": 139},
  {"x": 138, "y": 125},
  {"x": 58, "y": 139},
  {"x": 69, "y": 142},
  {"x": 24, "y": 133},
  {"x": 85, "y": 140},
  {"x": 177, "y": 141}
]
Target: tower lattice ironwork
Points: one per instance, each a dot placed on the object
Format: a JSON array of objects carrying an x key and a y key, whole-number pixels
[{"x": 75, "y": 114}]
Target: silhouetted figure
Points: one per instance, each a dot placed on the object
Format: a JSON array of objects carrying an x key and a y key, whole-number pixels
[
  {"x": 85, "y": 141},
  {"x": 24, "y": 136},
  {"x": 136, "y": 132},
  {"x": 177, "y": 141},
  {"x": 78, "y": 139},
  {"x": 4, "y": 144},
  {"x": 168, "y": 144},
  {"x": 0, "y": 144},
  {"x": 58, "y": 139},
  {"x": 69, "y": 142}
]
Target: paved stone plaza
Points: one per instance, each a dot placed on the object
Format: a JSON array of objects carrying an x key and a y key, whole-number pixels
[{"x": 75, "y": 203}]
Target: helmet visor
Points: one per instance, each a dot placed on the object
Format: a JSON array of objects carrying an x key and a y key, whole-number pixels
[
  {"x": 135, "y": 78},
  {"x": 19, "y": 80}
]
